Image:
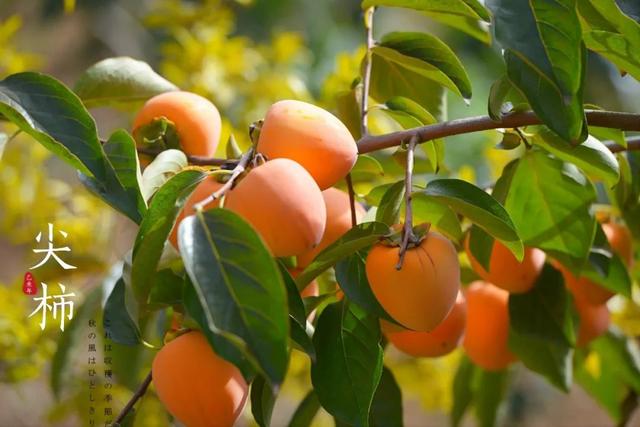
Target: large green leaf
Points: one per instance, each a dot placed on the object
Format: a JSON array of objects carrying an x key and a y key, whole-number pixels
[
  {"x": 549, "y": 203},
  {"x": 429, "y": 55},
  {"x": 240, "y": 284},
  {"x": 462, "y": 390},
  {"x": 53, "y": 115},
  {"x": 546, "y": 64},
  {"x": 297, "y": 314},
  {"x": 468, "y": 25},
  {"x": 358, "y": 237},
  {"x": 611, "y": 33},
  {"x": 592, "y": 156},
  {"x": 155, "y": 229},
  {"x": 541, "y": 330},
  {"x": 120, "y": 81},
  {"x": 306, "y": 411},
  {"x": 468, "y": 8},
  {"x": 228, "y": 346},
  {"x": 386, "y": 408},
  {"x": 388, "y": 211},
  {"x": 117, "y": 320},
  {"x": 489, "y": 390},
  {"x": 349, "y": 363},
  {"x": 621, "y": 353},
  {"x": 352, "y": 279},
  {"x": 440, "y": 216},
  {"x": 390, "y": 79},
  {"x": 481, "y": 209},
  {"x": 262, "y": 401}
]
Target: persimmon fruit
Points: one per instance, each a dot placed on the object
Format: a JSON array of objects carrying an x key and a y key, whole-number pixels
[
  {"x": 283, "y": 204},
  {"x": 487, "y": 330},
  {"x": 419, "y": 295},
  {"x": 311, "y": 136},
  {"x": 442, "y": 340},
  {"x": 505, "y": 271},
  {"x": 203, "y": 190},
  {"x": 584, "y": 288},
  {"x": 338, "y": 222},
  {"x": 594, "y": 321},
  {"x": 197, "y": 121},
  {"x": 620, "y": 239},
  {"x": 196, "y": 386}
]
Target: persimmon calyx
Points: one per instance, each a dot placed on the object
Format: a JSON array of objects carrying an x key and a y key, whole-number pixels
[
  {"x": 418, "y": 234},
  {"x": 159, "y": 134}
]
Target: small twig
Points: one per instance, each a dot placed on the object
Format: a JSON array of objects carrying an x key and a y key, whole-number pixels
[
  {"x": 366, "y": 77},
  {"x": 407, "y": 232},
  {"x": 352, "y": 200},
  {"x": 136, "y": 396},
  {"x": 523, "y": 138},
  {"x": 240, "y": 167}
]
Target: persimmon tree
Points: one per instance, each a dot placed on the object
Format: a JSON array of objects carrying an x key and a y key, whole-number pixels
[{"x": 226, "y": 245}]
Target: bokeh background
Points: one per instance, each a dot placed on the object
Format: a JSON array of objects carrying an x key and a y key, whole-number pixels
[{"x": 243, "y": 55}]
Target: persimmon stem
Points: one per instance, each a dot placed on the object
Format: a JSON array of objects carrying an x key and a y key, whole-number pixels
[
  {"x": 240, "y": 167},
  {"x": 142, "y": 389},
  {"x": 407, "y": 231},
  {"x": 352, "y": 200},
  {"x": 608, "y": 119},
  {"x": 366, "y": 76}
]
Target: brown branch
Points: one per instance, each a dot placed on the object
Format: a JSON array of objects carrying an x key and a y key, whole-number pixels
[
  {"x": 136, "y": 396},
  {"x": 608, "y": 119},
  {"x": 633, "y": 144},
  {"x": 240, "y": 167},
  {"x": 366, "y": 76},
  {"x": 407, "y": 232}
]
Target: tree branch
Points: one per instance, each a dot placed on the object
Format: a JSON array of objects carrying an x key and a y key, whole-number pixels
[
  {"x": 366, "y": 76},
  {"x": 136, "y": 396},
  {"x": 240, "y": 167},
  {"x": 608, "y": 119},
  {"x": 407, "y": 232}
]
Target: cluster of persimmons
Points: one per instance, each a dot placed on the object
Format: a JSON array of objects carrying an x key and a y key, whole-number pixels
[{"x": 290, "y": 201}]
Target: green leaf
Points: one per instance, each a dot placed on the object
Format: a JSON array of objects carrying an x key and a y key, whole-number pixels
[
  {"x": 592, "y": 156},
  {"x": 601, "y": 383},
  {"x": 490, "y": 388},
  {"x": 121, "y": 151},
  {"x": 352, "y": 279},
  {"x": 238, "y": 282},
  {"x": 232, "y": 149},
  {"x": 70, "y": 340},
  {"x": 228, "y": 346},
  {"x": 390, "y": 79},
  {"x": 462, "y": 390},
  {"x": 389, "y": 209},
  {"x": 120, "y": 81},
  {"x": 497, "y": 95},
  {"x": 44, "y": 108},
  {"x": 466, "y": 24},
  {"x": 546, "y": 64},
  {"x": 616, "y": 278},
  {"x": 297, "y": 314},
  {"x": 116, "y": 319},
  {"x": 386, "y": 408},
  {"x": 428, "y": 54},
  {"x": 306, "y": 411},
  {"x": 166, "y": 290},
  {"x": 440, "y": 216},
  {"x": 481, "y": 209},
  {"x": 164, "y": 166},
  {"x": 358, "y": 237},
  {"x": 366, "y": 168},
  {"x": 481, "y": 246},
  {"x": 612, "y": 34},
  {"x": 622, "y": 354},
  {"x": 349, "y": 363},
  {"x": 348, "y": 110},
  {"x": 558, "y": 197},
  {"x": 262, "y": 401},
  {"x": 541, "y": 330},
  {"x": 469, "y": 8},
  {"x": 410, "y": 114},
  {"x": 156, "y": 227}
]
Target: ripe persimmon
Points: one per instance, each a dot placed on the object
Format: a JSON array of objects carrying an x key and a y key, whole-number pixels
[
  {"x": 196, "y": 120},
  {"x": 487, "y": 331},
  {"x": 283, "y": 204},
  {"x": 195, "y": 385},
  {"x": 594, "y": 321},
  {"x": 620, "y": 239},
  {"x": 442, "y": 340},
  {"x": 311, "y": 136},
  {"x": 419, "y": 295},
  {"x": 203, "y": 190},
  {"x": 585, "y": 289},
  {"x": 338, "y": 222},
  {"x": 504, "y": 269}
]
